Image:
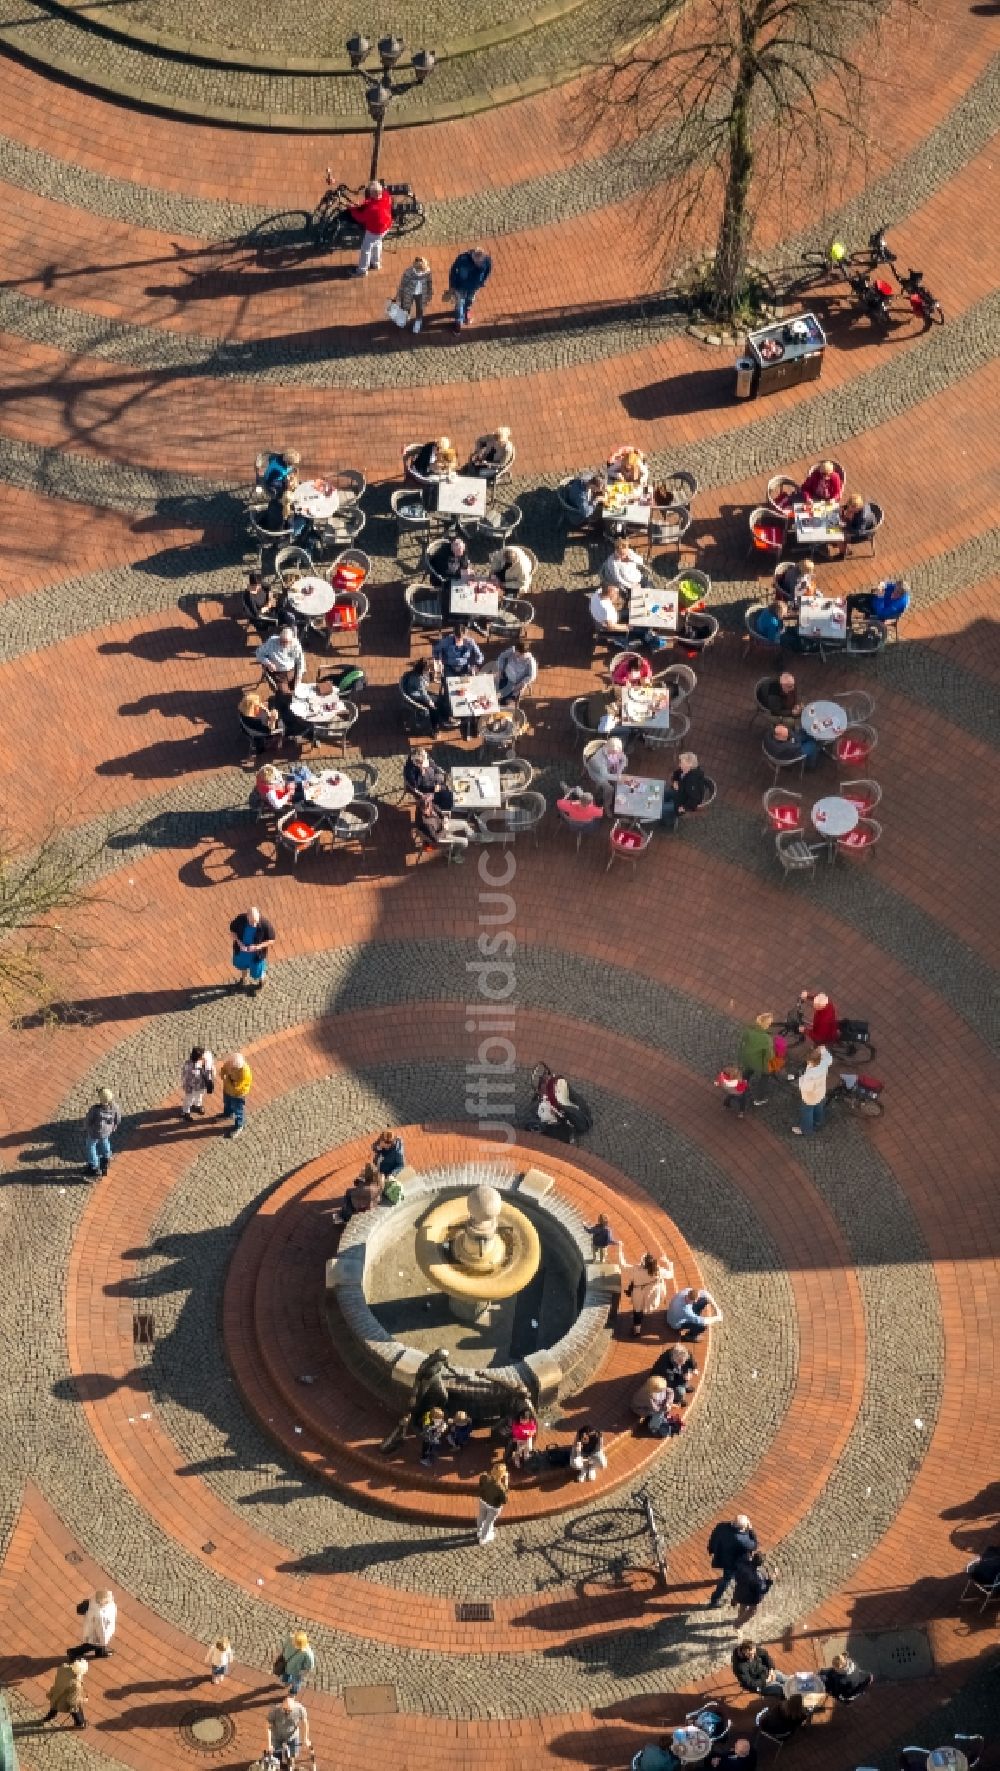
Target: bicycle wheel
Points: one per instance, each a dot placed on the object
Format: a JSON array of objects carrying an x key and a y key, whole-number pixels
[
  {"x": 409, "y": 221},
  {"x": 850, "y": 1050},
  {"x": 871, "y": 1109}
]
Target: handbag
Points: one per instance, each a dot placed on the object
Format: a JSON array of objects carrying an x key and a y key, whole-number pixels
[
  {"x": 279, "y": 1666},
  {"x": 395, "y": 313},
  {"x": 83, "y": 1608},
  {"x": 210, "y": 1085}
]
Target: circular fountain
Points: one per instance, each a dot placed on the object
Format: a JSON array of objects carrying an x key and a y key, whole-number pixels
[{"x": 478, "y": 1250}]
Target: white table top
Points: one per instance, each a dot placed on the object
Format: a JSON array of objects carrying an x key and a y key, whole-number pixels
[
  {"x": 331, "y": 791},
  {"x": 462, "y": 496},
  {"x": 947, "y": 1758},
  {"x": 822, "y": 524},
  {"x": 471, "y": 696},
  {"x": 834, "y": 816},
  {"x": 634, "y": 511},
  {"x": 824, "y": 721},
  {"x": 321, "y": 710},
  {"x": 316, "y": 499},
  {"x": 312, "y": 596},
  {"x": 822, "y": 618},
  {"x": 647, "y": 707},
  {"x": 690, "y": 1743},
  {"x": 478, "y": 788},
  {"x": 474, "y": 596},
  {"x": 639, "y": 796},
  {"x": 808, "y": 1685},
  {"x": 656, "y": 609}
]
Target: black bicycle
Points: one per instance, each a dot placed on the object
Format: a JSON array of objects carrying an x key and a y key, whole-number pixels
[
  {"x": 331, "y": 223},
  {"x": 853, "y": 1041}
]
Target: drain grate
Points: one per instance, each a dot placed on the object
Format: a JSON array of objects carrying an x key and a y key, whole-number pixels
[
  {"x": 474, "y": 1611},
  {"x": 143, "y": 1329},
  {"x": 74, "y": 1558},
  {"x": 889, "y": 1654},
  {"x": 207, "y": 1731}
]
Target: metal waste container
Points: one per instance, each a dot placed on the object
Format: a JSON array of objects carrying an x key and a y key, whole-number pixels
[{"x": 745, "y": 367}]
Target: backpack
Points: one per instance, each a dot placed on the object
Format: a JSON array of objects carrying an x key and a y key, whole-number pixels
[{"x": 392, "y": 1193}]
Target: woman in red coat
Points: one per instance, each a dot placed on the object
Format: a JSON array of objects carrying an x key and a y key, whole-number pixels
[
  {"x": 824, "y": 484},
  {"x": 825, "y": 1023}
]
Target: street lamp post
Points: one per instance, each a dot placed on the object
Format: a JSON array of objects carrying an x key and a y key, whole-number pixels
[{"x": 382, "y": 91}]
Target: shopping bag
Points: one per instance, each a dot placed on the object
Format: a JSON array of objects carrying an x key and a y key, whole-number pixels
[{"x": 395, "y": 313}]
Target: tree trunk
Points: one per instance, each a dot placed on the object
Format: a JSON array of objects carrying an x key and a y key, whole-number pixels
[{"x": 732, "y": 251}]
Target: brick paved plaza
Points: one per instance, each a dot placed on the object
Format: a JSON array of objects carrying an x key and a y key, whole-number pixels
[{"x": 156, "y": 1437}]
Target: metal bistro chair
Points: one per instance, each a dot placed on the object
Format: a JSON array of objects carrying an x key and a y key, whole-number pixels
[
  {"x": 574, "y": 521},
  {"x": 702, "y": 631},
  {"x": 412, "y": 520},
  {"x": 351, "y": 484},
  {"x": 497, "y": 526},
  {"x": 355, "y": 608},
  {"x": 352, "y": 826},
  {"x": 344, "y": 527},
  {"x": 500, "y": 731},
  {"x": 856, "y": 744},
  {"x": 677, "y": 732},
  {"x": 795, "y": 854},
  {"x": 782, "y": 493},
  {"x": 516, "y": 775},
  {"x": 682, "y": 487},
  {"x": 752, "y": 636},
  {"x": 335, "y": 731},
  {"x": 870, "y": 534},
  {"x": 781, "y": 763},
  {"x": 760, "y": 706},
  {"x": 864, "y": 836},
  {"x": 857, "y": 705},
  {"x": 579, "y": 712},
  {"x": 521, "y": 813},
  {"x": 668, "y": 525},
  {"x": 259, "y": 741},
  {"x": 768, "y": 532},
  {"x": 296, "y": 834},
  {"x": 627, "y": 841},
  {"x": 425, "y": 607},
  {"x": 711, "y": 1717},
  {"x": 681, "y": 680},
  {"x": 578, "y": 826},
  {"x": 291, "y": 563},
  {"x": 512, "y": 620},
  {"x": 864, "y": 794},
  {"x": 985, "y": 1595},
  {"x": 782, "y": 810}
]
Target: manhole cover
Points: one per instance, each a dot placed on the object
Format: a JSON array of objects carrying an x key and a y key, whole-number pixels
[
  {"x": 74, "y": 1558},
  {"x": 370, "y": 1700},
  {"x": 207, "y": 1731},
  {"x": 474, "y": 1612}
]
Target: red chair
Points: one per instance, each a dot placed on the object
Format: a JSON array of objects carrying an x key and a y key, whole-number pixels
[
  {"x": 864, "y": 836},
  {"x": 782, "y": 809},
  {"x": 628, "y": 841},
  {"x": 782, "y": 493},
  {"x": 863, "y": 794},
  {"x": 768, "y": 529},
  {"x": 856, "y": 745}
]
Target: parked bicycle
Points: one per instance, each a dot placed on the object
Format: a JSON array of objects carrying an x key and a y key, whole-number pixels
[
  {"x": 331, "y": 223},
  {"x": 859, "y": 1094},
  {"x": 853, "y": 1039}
]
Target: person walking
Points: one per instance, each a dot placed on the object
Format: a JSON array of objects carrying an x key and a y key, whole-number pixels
[
  {"x": 730, "y": 1541},
  {"x": 416, "y": 287},
  {"x": 750, "y": 1586},
  {"x": 66, "y": 1693},
  {"x": 101, "y": 1617},
  {"x": 494, "y": 1488},
  {"x": 812, "y": 1088},
  {"x": 253, "y": 938},
  {"x": 756, "y": 1056},
  {"x": 374, "y": 218},
  {"x": 296, "y": 1662},
  {"x": 219, "y": 1659},
  {"x": 100, "y": 1125},
  {"x": 468, "y": 275},
  {"x": 647, "y": 1287},
  {"x": 197, "y": 1080},
  {"x": 237, "y": 1081},
  {"x": 287, "y": 1728}
]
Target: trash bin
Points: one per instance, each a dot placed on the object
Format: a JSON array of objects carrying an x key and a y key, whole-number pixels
[{"x": 745, "y": 367}]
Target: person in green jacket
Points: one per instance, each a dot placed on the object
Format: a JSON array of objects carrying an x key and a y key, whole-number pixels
[
  {"x": 756, "y": 1053},
  {"x": 299, "y": 1659}
]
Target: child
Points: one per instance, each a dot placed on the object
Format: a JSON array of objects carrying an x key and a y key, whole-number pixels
[
  {"x": 602, "y": 1237},
  {"x": 432, "y": 1430},
  {"x": 666, "y": 1422},
  {"x": 523, "y": 1430},
  {"x": 220, "y": 1658},
  {"x": 735, "y": 1088},
  {"x": 459, "y": 1430}
]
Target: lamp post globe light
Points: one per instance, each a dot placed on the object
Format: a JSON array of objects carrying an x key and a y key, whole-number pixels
[{"x": 381, "y": 92}]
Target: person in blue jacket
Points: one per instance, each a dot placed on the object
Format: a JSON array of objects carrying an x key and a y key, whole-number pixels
[{"x": 467, "y": 276}]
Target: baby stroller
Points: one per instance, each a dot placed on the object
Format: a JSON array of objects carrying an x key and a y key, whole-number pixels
[{"x": 567, "y": 1119}]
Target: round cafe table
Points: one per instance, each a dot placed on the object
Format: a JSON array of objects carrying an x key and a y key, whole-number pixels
[
  {"x": 316, "y": 500},
  {"x": 947, "y": 1758},
  {"x": 318, "y": 709},
  {"x": 331, "y": 791},
  {"x": 690, "y": 1744},
  {"x": 824, "y": 720},
  {"x": 808, "y": 1686},
  {"x": 312, "y": 596},
  {"x": 834, "y": 816}
]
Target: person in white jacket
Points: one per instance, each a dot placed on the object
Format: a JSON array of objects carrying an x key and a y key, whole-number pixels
[
  {"x": 647, "y": 1287},
  {"x": 812, "y": 1089},
  {"x": 98, "y": 1630}
]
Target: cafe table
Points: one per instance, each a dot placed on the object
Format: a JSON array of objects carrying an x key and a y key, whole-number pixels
[
  {"x": 690, "y": 1744},
  {"x": 808, "y": 1685},
  {"x": 472, "y": 696},
  {"x": 462, "y": 496},
  {"x": 656, "y": 609},
  {"x": 316, "y": 499},
  {"x": 824, "y": 720},
  {"x": 639, "y": 796},
  {"x": 475, "y": 597},
  {"x": 947, "y": 1758},
  {"x": 312, "y": 597},
  {"x": 834, "y": 817},
  {"x": 331, "y": 791},
  {"x": 645, "y": 708},
  {"x": 822, "y": 618},
  {"x": 818, "y": 525},
  {"x": 319, "y": 710},
  {"x": 476, "y": 789}
]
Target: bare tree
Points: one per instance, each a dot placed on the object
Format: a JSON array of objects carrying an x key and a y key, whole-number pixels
[
  {"x": 742, "y": 102},
  {"x": 47, "y": 886}
]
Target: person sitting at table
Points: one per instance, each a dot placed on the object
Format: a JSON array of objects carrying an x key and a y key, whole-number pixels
[
  {"x": 623, "y": 569},
  {"x": 678, "y": 1367},
  {"x": 783, "y": 1719},
  {"x": 516, "y": 670},
  {"x": 424, "y": 683},
  {"x": 844, "y": 1680},
  {"x": 444, "y": 829},
  {"x": 459, "y": 655},
  {"x": 578, "y": 806},
  {"x": 858, "y": 518},
  {"x": 794, "y": 579},
  {"x": 491, "y": 454},
  {"x": 282, "y": 659},
  {"x": 262, "y": 722},
  {"x": 628, "y": 464},
  {"x": 887, "y": 602},
  {"x": 607, "y": 765},
  {"x": 788, "y": 743},
  {"x": 607, "y": 606},
  {"x": 433, "y": 460},
  {"x": 280, "y": 469},
  {"x": 583, "y": 493},
  {"x": 780, "y": 695},
  {"x": 769, "y": 624},
  {"x": 277, "y": 517},
  {"x": 755, "y": 1670},
  {"x": 657, "y": 1756},
  {"x": 688, "y": 788},
  {"x": 739, "y": 1755},
  {"x": 274, "y": 788},
  {"x": 824, "y": 484},
  {"x": 512, "y": 569},
  {"x": 423, "y": 777},
  {"x": 446, "y": 560},
  {"x": 630, "y": 671}
]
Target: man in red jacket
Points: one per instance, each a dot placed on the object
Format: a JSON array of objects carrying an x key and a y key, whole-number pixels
[{"x": 374, "y": 215}]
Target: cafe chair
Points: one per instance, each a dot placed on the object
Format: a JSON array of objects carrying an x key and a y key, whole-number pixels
[
  {"x": 259, "y": 740},
  {"x": 768, "y": 530},
  {"x": 865, "y": 835},
  {"x": 700, "y": 630},
  {"x": 711, "y": 795},
  {"x": 857, "y": 705},
  {"x": 852, "y": 1696},
  {"x": 866, "y": 795},
  {"x": 266, "y": 537},
  {"x": 350, "y": 482},
  {"x": 293, "y": 562},
  {"x": 412, "y": 520},
  {"x": 692, "y": 587},
  {"x": 582, "y": 712},
  {"x": 711, "y": 1717},
  {"x": 344, "y": 619},
  {"x": 353, "y": 825},
  {"x": 516, "y": 775},
  {"x": 751, "y": 635},
  {"x": 425, "y": 607},
  {"x": 870, "y": 534},
  {"x": 579, "y": 827},
  {"x": 782, "y": 809},
  {"x": 974, "y": 1590},
  {"x": 793, "y": 762},
  {"x": 264, "y": 626},
  {"x": 856, "y": 744},
  {"x": 410, "y": 474},
  {"x": 573, "y": 518},
  {"x": 681, "y": 486},
  {"x": 971, "y": 1745},
  {"x": 512, "y": 620},
  {"x": 521, "y": 813},
  {"x": 496, "y": 527},
  {"x": 628, "y": 840},
  {"x": 344, "y": 527},
  {"x": 336, "y": 731},
  {"x": 782, "y": 493},
  {"x": 363, "y": 776},
  {"x": 500, "y": 731},
  {"x": 680, "y": 679},
  {"x": 296, "y": 835},
  {"x": 795, "y": 854},
  {"x": 777, "y": 1740},
  {"x": 668, "y": 525},
  {"x": 760, "y": 706},
  {"x": 350, "y": 569},
  {"x": 680, "y": 727}
]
